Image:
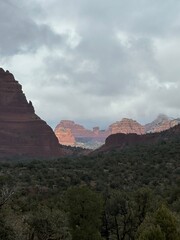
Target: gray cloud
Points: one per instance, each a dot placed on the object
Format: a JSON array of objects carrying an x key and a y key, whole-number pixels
[
  {"x": 20, "y": 33},
  {"x": 94, "y": 61}
]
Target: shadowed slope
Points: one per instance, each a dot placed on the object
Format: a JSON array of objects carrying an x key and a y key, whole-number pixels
[{"x": 22, "y": 132}]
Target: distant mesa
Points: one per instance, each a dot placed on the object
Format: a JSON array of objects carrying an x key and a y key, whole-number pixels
[
  {"x": 95, "y": 138},
  {"x": 127, "y": 126},
  {"x": 22, "y": 132}
]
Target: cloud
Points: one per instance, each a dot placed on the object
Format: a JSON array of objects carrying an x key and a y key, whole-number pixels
[
  {"x": 20, "y": 33},
  {"x": 94, "y": 61}
]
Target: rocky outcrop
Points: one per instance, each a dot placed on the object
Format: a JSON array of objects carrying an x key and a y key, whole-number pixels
[
  {"x": 65, "y": 136},
  {"x": 76, "y": 129},
  {"x": 22, "y": 132},
  {"x": 161, "y": 123},
  {"x": 83, "y": 137},
  {"x": 126, "y": 126}
]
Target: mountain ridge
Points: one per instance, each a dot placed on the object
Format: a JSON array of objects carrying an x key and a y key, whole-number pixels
[
  {"x": 95, "y": 138},
  {"x": 120, "y": 141}
]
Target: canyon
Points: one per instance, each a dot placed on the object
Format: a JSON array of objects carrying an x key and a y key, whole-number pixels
[{"x": 25, "y": 134}]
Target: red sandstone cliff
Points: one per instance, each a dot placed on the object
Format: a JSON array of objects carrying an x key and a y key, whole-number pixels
[
  {"x": 83, "y": 137},
  {"x": 65, "y": 136},
  {"x": 22, "y": 132},
  {"x": 77, "y": 130},
  {"x": 126, "y": 126}
]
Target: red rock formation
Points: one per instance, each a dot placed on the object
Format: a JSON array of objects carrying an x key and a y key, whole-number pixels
[
  {"x": 126, "y": 126},
  {"x": 76, "y": 129},
  {"x": 83, "y": 137},
  {"x": 22, "y": 132},
  {"x": 161, "y": 123},
  {"x": 65, "y": 136}
]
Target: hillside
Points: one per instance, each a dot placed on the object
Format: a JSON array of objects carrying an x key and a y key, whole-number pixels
[
  {"x": 121, "y": 141},
  {"x": 137, "y": 179}
]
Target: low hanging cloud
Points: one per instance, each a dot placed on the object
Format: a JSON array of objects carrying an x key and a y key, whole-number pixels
[{"x": 94, "y": 61}]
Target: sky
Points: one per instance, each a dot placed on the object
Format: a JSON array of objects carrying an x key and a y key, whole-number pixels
[{"x": 94, "y": 61}]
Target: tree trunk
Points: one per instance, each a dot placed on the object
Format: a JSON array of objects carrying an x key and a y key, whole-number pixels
[{"x": 117, "y": 229}]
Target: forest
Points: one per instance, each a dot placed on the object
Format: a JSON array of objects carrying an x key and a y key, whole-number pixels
[{"x": 129, "y": 194}]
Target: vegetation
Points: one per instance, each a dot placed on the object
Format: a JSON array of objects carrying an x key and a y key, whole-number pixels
[{"x": 132, "y": 194}]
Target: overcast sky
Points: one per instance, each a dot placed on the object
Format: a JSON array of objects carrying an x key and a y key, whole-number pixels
[{"x": 94, "y": 61}]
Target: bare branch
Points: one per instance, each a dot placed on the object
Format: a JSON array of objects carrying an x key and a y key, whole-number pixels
[{"x": 5, "y": 195}]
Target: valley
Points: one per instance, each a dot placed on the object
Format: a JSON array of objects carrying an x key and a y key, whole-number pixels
[{"x": 126, "y": 189}]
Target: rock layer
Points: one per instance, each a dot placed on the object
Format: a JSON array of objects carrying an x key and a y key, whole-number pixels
[
  {"x": 65, "y": 136},
  {"x": 127, "y": 126},
  {"x": 76, "y": 129},
  {"x": 22, "y": 132}
]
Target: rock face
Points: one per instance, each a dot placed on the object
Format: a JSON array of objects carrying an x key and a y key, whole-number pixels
[
  {"x": 161, "y": 123},
  {"x": 83, "y": 137},
  {"x": 65, "y": 136},
  {"x": 76, "y": 129},
  {"x": 22, "y": 132},
  {"x": 127, "y": 126}
]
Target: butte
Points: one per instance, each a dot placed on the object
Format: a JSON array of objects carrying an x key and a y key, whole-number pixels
[{"x": 22, "y": 132}]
